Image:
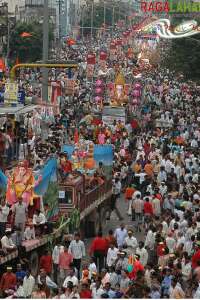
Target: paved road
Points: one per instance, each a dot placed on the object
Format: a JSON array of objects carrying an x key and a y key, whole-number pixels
[{"x": 114, "y": 222}]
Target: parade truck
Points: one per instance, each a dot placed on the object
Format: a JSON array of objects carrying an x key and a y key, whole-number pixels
[{"x": 78, "y": 207}]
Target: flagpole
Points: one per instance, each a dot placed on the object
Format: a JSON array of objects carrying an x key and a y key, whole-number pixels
[{"x": 45, "y": 51}]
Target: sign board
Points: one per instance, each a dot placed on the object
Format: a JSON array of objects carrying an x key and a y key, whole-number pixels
[
  {"x": 61, "y": 195},
  {"x": 11, "y": 93},
  {"x": 111, "y": 114}
]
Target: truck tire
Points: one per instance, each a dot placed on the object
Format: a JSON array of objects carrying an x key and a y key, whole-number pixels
[{"x": 34, "y": 263}]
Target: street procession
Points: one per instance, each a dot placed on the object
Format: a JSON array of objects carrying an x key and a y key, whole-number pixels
[{"x": 99, "y": 151}]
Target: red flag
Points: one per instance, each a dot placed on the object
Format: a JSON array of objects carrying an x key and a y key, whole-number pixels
[
  {"x": 2, "y": 65},
  {"x": 71, "y": 42},
  {"x": 25, "y": 34},
  {"x": 76, "y": 137},
  {"x": 17, "y": 61}
]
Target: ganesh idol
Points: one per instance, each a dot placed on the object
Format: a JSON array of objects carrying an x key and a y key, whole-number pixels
[
  {"x": 21, "y": 183},
  {"x": 120, "y": 96}
]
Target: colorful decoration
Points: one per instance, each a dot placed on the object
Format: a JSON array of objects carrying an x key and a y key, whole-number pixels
[
  {"x": 120, "y": 95},
  {"x": 20, "y": 183},
  {"x": 130, "y": 268}
]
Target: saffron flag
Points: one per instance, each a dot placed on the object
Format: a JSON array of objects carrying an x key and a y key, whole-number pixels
[{"x": 25, "y": 34}]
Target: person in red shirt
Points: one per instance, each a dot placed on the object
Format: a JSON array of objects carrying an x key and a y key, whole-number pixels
[
  {"x": 8, "y": 281},
  {"x": 46, "y": 262},
  {"x": 148, "y": 208},
  {"x": 196, "y": 258},
  {"x": 98, "y": 249},
  {"x": 65, "y": 166},
  {"x": 137, "y": 266},
  {"x": 65, "y": 259},
  {"x": 85, "y": 291}
]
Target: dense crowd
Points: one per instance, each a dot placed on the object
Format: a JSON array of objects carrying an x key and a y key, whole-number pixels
[{"x": 155, "y": 176}]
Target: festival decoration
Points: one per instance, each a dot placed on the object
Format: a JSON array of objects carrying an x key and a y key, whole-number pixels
[
  {"x": 165, "y": 30},
  {"x": 99, "y": 83},
  {"x": 71, "y": 42},
  {"x": 130, "y": 268},
  {"x": 103, "y": 55},
  {"x": 91, "y": 59},
  {"x": 20, "y": 184},
  {"x": 98, "y": 90}
]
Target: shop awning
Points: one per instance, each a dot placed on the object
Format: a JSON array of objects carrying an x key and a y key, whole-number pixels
[{"x": 18, "y": 110}]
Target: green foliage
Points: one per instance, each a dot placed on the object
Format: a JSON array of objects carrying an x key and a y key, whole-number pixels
[
  {"x": 27, "y": 49},
  {"x": 51, "y": 198}
]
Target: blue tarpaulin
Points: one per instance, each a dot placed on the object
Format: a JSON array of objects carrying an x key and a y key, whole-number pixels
[
  {"x": 3, "y": 180},
  {"x": 48, "y": 174}
]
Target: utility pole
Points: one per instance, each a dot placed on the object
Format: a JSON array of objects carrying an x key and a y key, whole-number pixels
[
  {"x": 60, "y": 11},
  {"x": 104, "y": 15},
  {"x": 92, "y": 18},
  {"x": 45, "y": 51},
  {"x": 113, "y": 19}
]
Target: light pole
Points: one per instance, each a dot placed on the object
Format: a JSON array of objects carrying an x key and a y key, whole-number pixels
[
  {"x": 113, "y": 19},
  {"x": 104, "y": 15},
  {"x": 45, "y": 51},
  {"x": 92, "y": 18}
]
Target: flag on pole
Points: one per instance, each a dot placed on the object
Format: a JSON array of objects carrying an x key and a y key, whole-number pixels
[{"x": 25, "y": 34}]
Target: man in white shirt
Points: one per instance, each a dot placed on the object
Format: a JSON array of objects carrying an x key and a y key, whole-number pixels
[
  {"x": 55, "y": 257},
  {"x": 71, "y": 278},
  {"x": 120, "y": 235},
  {"x": 4, "y": 212},
  {"x": 111, "y": 255},
  {"x": 39, "y": 221},
  {"x": 142, "y": 252},
  {"x": 77, "y": 249},
  {"x": 170, "y": 242},
  {"x": 97, "y": 290},
  {"x": 130, "y": 242},
  {"x": 28, "y": 284},
  {"x": 7, "y": 243}
]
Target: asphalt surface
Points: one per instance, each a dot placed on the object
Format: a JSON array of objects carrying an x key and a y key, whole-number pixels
[{"x": 114, "y": 222}]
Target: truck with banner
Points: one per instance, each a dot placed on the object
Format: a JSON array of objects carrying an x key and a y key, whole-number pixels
[{"x": 73, "y": 203}]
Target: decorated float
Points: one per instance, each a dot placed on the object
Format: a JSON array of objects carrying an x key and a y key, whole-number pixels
[{"x": 119, "y": 91}]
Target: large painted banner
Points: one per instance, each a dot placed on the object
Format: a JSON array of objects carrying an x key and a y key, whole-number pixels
[{"x": 102, "y": 153}]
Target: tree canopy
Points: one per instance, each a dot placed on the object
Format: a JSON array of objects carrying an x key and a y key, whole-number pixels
[{"x": 27, "y": 49}]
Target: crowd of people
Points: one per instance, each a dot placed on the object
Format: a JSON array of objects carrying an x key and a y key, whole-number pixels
[{"x": 155, "y": 176}]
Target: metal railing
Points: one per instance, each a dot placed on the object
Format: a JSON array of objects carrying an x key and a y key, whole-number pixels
[{"x": 94, "y": 195}]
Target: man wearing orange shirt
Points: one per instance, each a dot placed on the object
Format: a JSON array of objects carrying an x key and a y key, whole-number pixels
[
  {"x": 128, "y": 196},
  {"x": 65, "y": 259},
  {"x": 149, "y": 169},
  {"x": 8, "y": 281}
]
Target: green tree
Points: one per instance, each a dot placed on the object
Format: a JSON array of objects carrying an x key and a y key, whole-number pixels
[{"x": 27, "y": 49}]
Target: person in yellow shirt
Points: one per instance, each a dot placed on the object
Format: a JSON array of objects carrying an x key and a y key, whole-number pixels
[
  {"x": 148, "y": 169},
  {"x": 137, "y": 168}
]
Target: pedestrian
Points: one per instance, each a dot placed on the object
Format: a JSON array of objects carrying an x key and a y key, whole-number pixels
[
  {"x": 98, "y": 249},
  {"x": 77, "y": 249},
  {"x": 20, "y": 216},
  {"x": 4, "y": 212},
  {"x": 65, "y": 259}
]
